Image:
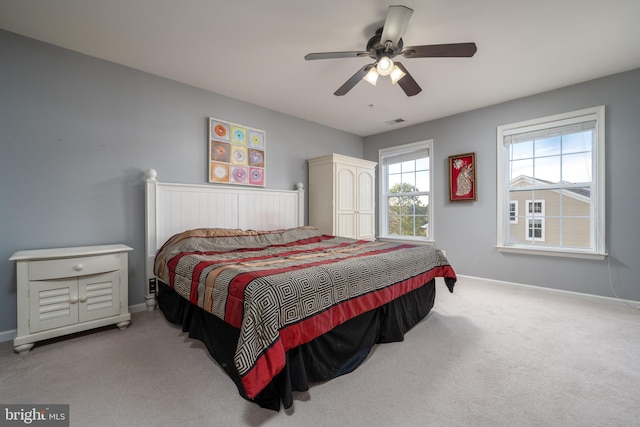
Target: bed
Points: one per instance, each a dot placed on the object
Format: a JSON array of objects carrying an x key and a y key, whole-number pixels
[{"x": 279, "y": 305}]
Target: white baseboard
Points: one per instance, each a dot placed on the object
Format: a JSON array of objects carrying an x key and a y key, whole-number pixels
[
  {"x": 11, "y": 334},
  {"x": 137, "y": 308},
  {"x": 633, "y": 303},
  {"x": 7, "y": 335}
]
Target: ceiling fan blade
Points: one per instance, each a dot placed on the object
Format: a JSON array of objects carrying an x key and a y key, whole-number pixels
[
  {"x": 354, "y": 80},
  {"x": 459, "y": 50},
  {"x": 395, "y": 24},
  {"x": 407, "y": 83},
  {"x": 331, "y": 55}
]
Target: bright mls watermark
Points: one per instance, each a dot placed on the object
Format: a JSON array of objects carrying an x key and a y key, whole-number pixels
[{"x": 34, "y": 415}]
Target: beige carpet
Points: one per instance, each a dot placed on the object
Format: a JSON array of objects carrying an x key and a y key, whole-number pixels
[{"x": 488, "y": 355}]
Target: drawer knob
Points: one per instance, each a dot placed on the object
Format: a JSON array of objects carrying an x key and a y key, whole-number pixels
[{"x": 78, "y": 267}]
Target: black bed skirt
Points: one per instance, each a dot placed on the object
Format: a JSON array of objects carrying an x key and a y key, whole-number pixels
[{"x": 335, "y": 353}]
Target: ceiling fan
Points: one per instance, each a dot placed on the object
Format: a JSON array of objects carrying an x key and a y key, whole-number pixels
[{"x": 385, "y": 45}]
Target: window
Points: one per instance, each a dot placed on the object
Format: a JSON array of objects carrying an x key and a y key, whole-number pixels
[
  {"x": 405, "y": 191},
  {"x": 535, "y": 207},
  {"x": 535, "y": 220},
  {"x": 513, "y": 211},
  {"x": 535, "y": 229},
  {"x": 554, "y": 168}
]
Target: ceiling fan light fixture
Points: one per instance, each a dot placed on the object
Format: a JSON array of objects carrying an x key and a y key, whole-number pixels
[
  {"x": 371, "y": 76},
  {"x": 385, "y": 66},
  {"x": 396, "y": 74}
]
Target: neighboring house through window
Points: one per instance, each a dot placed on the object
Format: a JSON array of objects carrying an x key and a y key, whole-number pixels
[
  {"x": 405, "y": 193},
  {"x": 551, "y": 185}
]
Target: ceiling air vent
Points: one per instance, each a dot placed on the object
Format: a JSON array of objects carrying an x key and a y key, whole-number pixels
[{"x": 395, "y": 121}]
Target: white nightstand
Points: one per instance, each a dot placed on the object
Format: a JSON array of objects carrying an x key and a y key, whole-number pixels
[{"x": 66, "y": 290}]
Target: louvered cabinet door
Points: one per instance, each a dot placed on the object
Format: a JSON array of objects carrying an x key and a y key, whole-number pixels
[
  {"x": 53, "y": 304},
  {"x": 57, "y": 303},
  {"x": 98, "y": 296}
]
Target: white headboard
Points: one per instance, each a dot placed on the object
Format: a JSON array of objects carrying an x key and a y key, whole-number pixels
[{"x": 171, "y": 208}]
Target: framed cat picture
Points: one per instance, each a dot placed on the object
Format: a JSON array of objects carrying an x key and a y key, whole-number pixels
[{"x": 462, "y": 178}]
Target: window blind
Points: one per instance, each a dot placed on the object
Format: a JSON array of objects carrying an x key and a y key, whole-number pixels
[
  {"x": 405, "y": 156},
  {"x": 548, "y": 132}
]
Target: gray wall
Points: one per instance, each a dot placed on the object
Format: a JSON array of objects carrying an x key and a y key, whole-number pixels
[
  {"x": 468, "y": 230},
  {"x": 76, "y": 134}
]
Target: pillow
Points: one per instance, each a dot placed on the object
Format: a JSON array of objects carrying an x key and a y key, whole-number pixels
[{"x": 211, "y": 240}]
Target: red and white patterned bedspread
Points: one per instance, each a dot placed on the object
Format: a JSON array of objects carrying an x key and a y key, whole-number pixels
[{"x": 284, "y": 288}]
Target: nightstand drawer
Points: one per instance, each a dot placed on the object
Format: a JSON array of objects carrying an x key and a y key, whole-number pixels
[{"x": 73, "y": 267}]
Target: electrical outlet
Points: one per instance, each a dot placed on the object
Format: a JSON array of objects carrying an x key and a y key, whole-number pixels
[{"x": 152, "y": 286}]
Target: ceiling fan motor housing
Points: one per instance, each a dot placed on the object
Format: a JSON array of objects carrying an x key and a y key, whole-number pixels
[{"x": 377, "y": 49}]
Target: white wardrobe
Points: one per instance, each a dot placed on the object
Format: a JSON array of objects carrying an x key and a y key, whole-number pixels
[{"x": 342, "y": 196}]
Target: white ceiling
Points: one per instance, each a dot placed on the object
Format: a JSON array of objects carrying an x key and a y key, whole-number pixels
[{"x": 254, "y": 50}]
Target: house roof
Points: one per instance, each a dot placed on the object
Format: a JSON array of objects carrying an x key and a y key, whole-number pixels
[{"x": 581, "y": 193}]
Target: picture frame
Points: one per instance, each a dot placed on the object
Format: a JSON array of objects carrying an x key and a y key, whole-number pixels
[
  {"x": 462, "y": 178},
  {"x": 237, "y": 153}
]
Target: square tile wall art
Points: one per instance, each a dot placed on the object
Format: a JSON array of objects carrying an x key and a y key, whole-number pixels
[{"x": 236, "y": 153}]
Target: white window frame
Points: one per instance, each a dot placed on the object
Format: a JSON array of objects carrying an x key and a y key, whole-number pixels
[
  {"x": 513, "y": 213},
  {"x": 598, "y": 251},
  {"x": 383, "y": 185},
  {"x": 530, "y": 207},
  {"x": 533, "y": 217},
  {"x": 531, "y": 229}
]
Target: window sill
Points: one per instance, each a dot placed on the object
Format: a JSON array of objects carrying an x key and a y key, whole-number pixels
[
  {"x": 408, "y": 241},
  {"x": 552, "y": 253}
]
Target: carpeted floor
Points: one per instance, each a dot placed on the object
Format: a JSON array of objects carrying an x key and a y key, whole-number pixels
[{"x": 490, "y": 354}]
